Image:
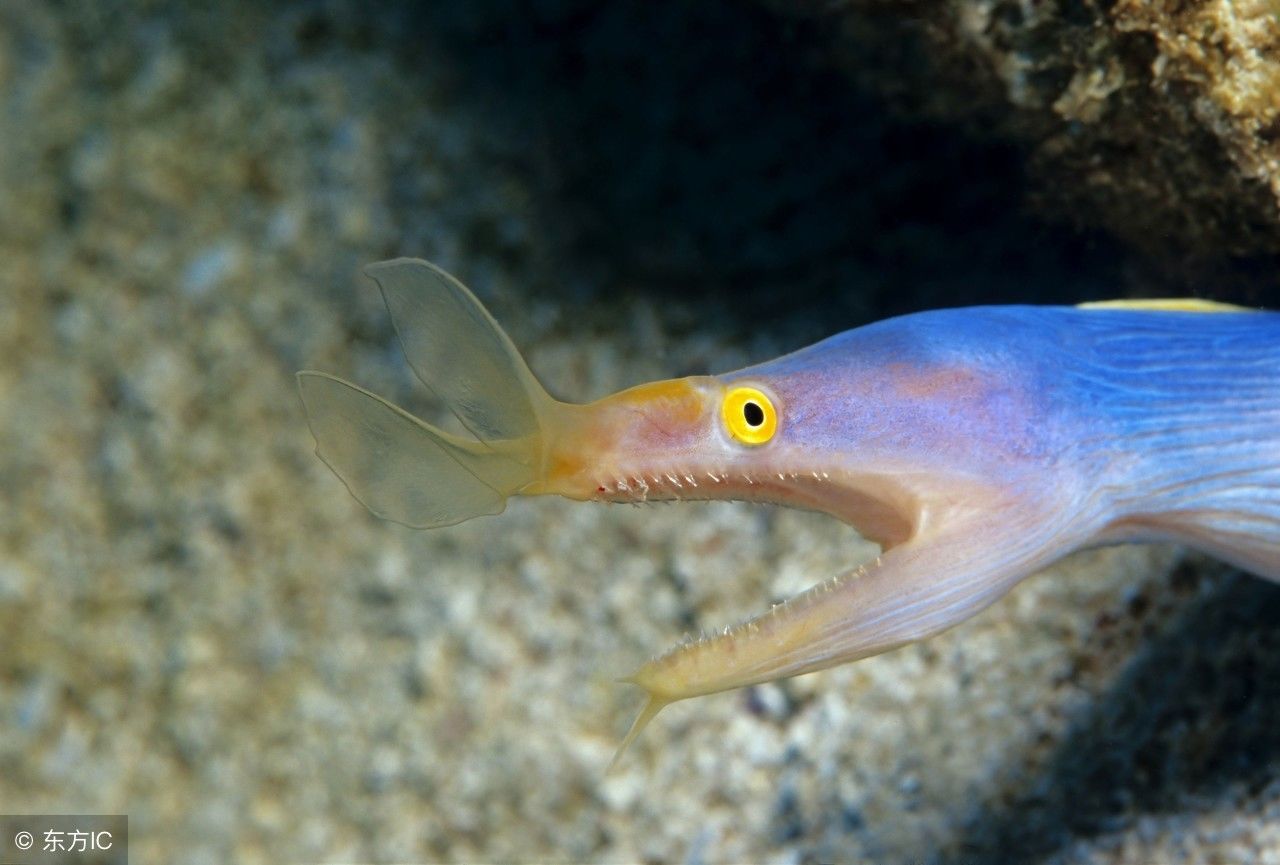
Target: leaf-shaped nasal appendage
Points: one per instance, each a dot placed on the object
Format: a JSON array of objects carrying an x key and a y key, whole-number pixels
[
  {"x": 458, "y": 350},
  {"x": 399, "y": 467}
]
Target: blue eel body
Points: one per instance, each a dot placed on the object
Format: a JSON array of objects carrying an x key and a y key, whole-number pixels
[
  {"x": 1139, "y": 425},
  {"x": 976, "y": 446}
]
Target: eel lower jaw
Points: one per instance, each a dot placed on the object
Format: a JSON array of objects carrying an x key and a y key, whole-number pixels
[{"x": 972, "y": 540}]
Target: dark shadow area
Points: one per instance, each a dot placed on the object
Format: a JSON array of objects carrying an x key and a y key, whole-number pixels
[
  {"x": 708, "y": 148},
  {"x": 1192, "y": 719},
  {"x": 712, "y": 151}
]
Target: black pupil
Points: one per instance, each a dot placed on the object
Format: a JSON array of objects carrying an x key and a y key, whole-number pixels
[{"x": 753, "y": 414}]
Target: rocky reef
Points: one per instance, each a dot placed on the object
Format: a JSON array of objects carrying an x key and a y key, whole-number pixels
[{"x": 1156, "y": 121}]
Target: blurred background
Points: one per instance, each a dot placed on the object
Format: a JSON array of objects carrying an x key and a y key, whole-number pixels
[{"x": 201, "y": 629}]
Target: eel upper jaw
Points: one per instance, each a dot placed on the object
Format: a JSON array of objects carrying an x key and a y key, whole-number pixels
[
  {"x": 883, "y": 508},
  {"x": 666, "y": 441}
]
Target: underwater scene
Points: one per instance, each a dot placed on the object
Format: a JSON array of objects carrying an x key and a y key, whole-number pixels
[{"x": 411, "y": 451}]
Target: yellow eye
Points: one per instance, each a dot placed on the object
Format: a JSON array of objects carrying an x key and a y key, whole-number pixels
[{"x": 749, "y": 415}]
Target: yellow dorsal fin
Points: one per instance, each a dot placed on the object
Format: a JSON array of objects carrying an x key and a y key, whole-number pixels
[{"x": 1171, "y": 304}]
